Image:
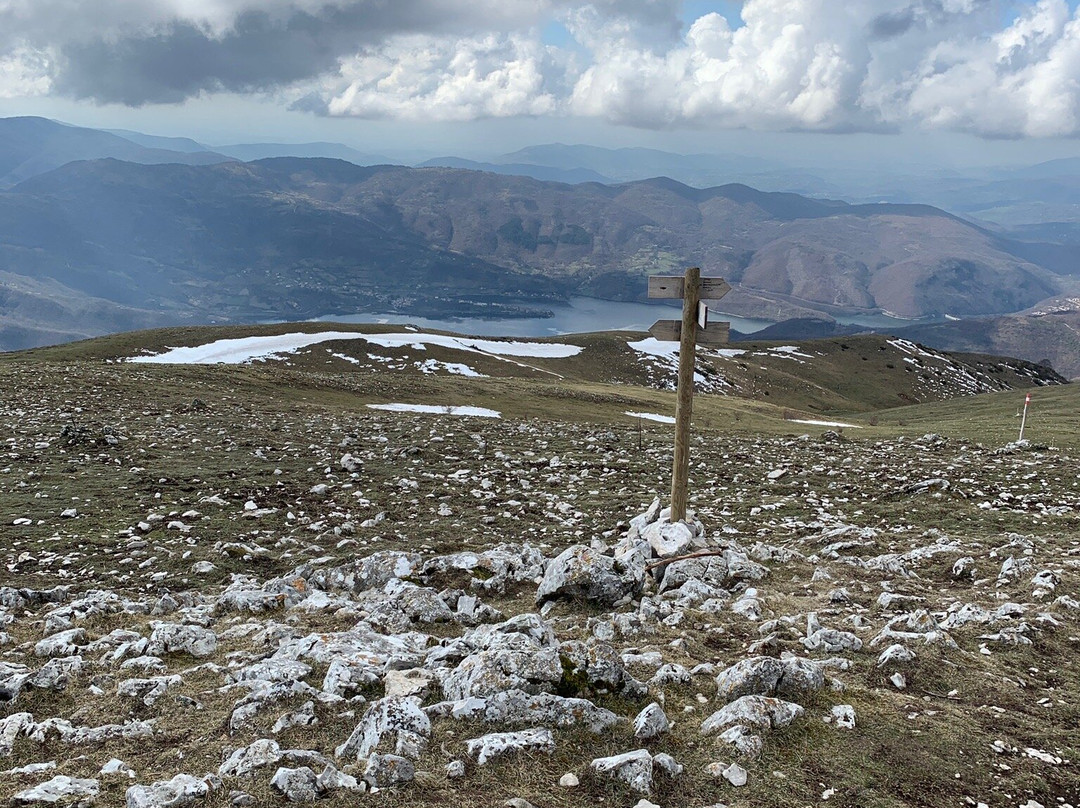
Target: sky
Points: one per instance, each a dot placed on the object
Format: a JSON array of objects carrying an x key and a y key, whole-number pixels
[{"x": 948, "y": 81}]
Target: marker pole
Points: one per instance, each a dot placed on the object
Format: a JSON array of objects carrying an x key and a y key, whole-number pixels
[{"x": 1023, "y": 420}]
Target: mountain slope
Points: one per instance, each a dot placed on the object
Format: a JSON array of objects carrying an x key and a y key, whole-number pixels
[
  {"x": 32, "y": 146},
  {"x": 1052, "y": 338},
  {"x": 286, "y": 238}
]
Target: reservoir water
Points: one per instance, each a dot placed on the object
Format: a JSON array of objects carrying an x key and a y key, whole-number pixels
[{"x": 581, "y": 315}]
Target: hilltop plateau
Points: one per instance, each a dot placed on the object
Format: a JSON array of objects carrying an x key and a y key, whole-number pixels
[{"x": 388, "y": 567}]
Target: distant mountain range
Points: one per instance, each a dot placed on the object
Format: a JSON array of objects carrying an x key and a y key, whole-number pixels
[
  {"x": 32, "y": 146},
  {"x": 169, "y": 232}
]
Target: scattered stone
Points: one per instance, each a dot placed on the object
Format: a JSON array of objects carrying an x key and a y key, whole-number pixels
[
  {"x": 582, "y": 573},
  {"x": 61, "y": 790},
  {"x": 635, "y": 769},
  {"x": 651, "y": 722},
  {"x": 752, "y": 711},
  {"x": 400, "y": 720},
  {"x": 843, "y": 715},
  {"x": 569, "y": 780},
  {"x": 174, "y": 638},
  {"x": 296, "y": 785},
  {"x": 768, "y": 676},
  {"x": 500, "y": 744},
  {"x": 414, "y": 682},
  {"x": 182, "y": 791},
  {"x": 383, "y": 771}
]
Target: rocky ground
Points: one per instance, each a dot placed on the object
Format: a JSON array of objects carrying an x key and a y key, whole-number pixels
[{"x": 213, "y": 596}]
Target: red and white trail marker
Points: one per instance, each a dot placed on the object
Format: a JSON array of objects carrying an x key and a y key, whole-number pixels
[{"x": 1023, "y": 420}]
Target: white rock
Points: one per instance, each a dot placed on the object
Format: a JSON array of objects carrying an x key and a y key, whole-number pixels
[
  {"x": 633, "y": 768},
  {"x": 388, "y": 770},
  {"x": 569, "y": 780},
  {"x": 499, "y": 744},
  {"x": 752, "y": 711},
  {"x": 117, "y": 766},
  {"x": 296, "y": 785},
  {"x": 61, "y": 789},
  {"x": 735, "y": 774},
  {"x": 174, "y": 638},
  {"x": 413, "y": 682},
  {"x": 843, "y": 715},
  {"x": 182, "y": 791},
  {"x": 651, "y": 722}
]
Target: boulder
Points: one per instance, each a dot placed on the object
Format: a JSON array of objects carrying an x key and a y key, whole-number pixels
[
  {"x": 769, "y": 676},
  {"x": 580, "y": 572},
  {"x": 633, "y": 768},
  {"x": 499, "y": 744},
  {"x": 175, "y": 638},
  {"x": 295, "y": 785},
  {"x": 396, "y": 721},
  {"x": 61, "y": 790},
  {"x": 182, "y": 791},
  {"x": 651, "y": 723},
  {"x": 759, "y": 712},
  {"x": 383, "y": 771}
]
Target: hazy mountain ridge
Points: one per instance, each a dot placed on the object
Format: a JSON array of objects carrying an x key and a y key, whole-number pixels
[
  {"x": 293, "y": 237},
  {"x": 32, "y": 146}
]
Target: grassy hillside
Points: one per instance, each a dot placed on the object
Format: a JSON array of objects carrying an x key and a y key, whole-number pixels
[{"x": 230, "y": 498}]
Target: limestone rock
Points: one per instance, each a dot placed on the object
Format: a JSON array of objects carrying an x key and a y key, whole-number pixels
[
  {"x": 752, "y": 711},
  {"x": 414, "y": 682},
  {"x": 383, "y": 771},
  {"x": 651, "y": 723},
  {"x": 60, "y": 790},
  {"x": 500, "y": 744},
  {"x": 397, "y": 720},
  {"x": 175, "y": 638},
  {"x": 244, "y": 761},
  {"x": 580, "y": 572},
  {"x": 62, "y": 644},
  {"x": 182, "y": 791},
  {"x": 768, "y": 676},
  {"x": 296, "y": 785},
  {"x": 633, "y": 768}
]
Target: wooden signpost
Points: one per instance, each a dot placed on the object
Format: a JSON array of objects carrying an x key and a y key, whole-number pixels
[{"x": 692, "y": 329}]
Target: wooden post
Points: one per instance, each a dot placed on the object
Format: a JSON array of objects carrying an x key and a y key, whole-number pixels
[{"x": 680, "y": 472}]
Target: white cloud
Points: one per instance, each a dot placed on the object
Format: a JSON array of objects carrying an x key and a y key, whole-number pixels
[
  {"x": 828, "y": 65},
  {"x": 422, "y": 77},
  {"x": 858, "y": 64},
  {"x": 24, "y": 72}
]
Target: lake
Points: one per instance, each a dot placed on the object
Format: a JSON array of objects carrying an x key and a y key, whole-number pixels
[{"x": 581, "y": 315}]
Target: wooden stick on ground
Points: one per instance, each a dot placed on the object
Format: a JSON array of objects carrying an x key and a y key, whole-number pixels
[{"x": 673, "y": 559}]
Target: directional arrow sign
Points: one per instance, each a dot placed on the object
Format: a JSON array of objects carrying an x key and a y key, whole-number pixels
[
  {"x": 670, "y": 287},
  {"x": 718, "y": 333}
]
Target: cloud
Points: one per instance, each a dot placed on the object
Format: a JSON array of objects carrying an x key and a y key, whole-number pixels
[
  {"x": 162, "y": 51},
  {"x": 822, "y": 65},
  {"x": 421, "y": 77},
  {"x": 854, "y": 65},
  {"x": 24, "y": 73}
]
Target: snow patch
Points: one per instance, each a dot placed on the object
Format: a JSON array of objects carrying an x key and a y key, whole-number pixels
[
  {"x": 826, "y": 423},
  {"x": 248, "y": 349},
  {"x": 437, "y": 409},
  {"x": 651, "y": 416}
]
